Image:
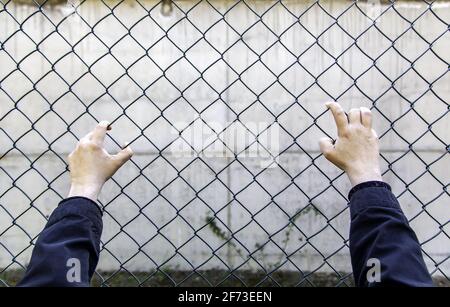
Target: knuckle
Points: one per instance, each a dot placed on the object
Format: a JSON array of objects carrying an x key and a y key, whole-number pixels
[
  {"x": 83, "y": 144},
  {"x": 327, "y": 154},
  {"x": 366, "y": 114},
  {"x": 359, "y": 130},
  {"x": 346, "y": 133},
  {"x": 339, "y": 111}
]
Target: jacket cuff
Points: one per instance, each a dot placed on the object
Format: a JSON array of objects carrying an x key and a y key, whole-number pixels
[
  {"x": 79, "y": 206},
  {"x": 79, "y": 199},
  {"x": 371, "y": 194}
]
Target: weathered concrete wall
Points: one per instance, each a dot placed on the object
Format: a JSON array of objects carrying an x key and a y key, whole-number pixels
[{"x": 91, "y": 69}]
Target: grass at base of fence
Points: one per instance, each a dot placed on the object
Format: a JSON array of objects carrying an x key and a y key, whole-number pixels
[
  {"x": 169, "y": 278},
  {"x": 220, "y": 278}
]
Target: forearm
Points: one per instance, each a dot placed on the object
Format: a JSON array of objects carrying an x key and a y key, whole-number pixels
[
  {"x": 67, "y": 250},
  {"x": 379, "y": 230}
]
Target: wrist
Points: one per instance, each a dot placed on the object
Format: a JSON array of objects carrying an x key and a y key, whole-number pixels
[
  {"x": 358, "y": 177},
  {"x": 87, "y": 191}
]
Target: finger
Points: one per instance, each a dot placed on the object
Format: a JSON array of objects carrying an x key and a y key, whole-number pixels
[
  {"x": 339, "y": 116},
  {"x": 375, "y": 134},
  {"x": 70, "y": 156},
  {"x": 87, "y": 137},
  {"x": 99, "y": 133},
  {"x": 366, "y": 117},
  {"x": 354, "y": 116},
  {"x": 326, "y": 147},
  {"x": 123, "y": 156}
]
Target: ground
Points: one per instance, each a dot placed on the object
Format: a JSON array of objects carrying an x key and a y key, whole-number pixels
[{"x": 210, "y": 278}]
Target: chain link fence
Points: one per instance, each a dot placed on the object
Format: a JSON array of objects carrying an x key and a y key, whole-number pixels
[{"x": 204, "y": 207}]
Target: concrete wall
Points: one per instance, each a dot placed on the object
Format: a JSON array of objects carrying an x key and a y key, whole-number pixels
[{"x": 38, "y": 171}]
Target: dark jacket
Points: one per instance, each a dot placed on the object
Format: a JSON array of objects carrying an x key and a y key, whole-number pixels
[
  {"x": 67, "y": 251},
  {"x": 379, "y": 230}
]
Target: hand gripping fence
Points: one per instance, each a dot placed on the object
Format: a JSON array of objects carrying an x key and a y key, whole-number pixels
[{"x": 223, "y": 103}]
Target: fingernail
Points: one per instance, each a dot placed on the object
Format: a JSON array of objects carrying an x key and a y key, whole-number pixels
[
  {"x": 126, "y": 145},
  {"x": 327, "y": 104}
]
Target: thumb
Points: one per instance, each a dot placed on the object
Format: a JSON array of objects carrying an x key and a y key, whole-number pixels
[
  {"x": 124, "y": 155},
  {"x": 326, "y": 146}
]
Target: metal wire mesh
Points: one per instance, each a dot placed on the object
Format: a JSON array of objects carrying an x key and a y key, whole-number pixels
[{"x": 199, "y": 220}]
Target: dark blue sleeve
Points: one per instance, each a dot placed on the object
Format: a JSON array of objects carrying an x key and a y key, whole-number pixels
[
  {"x": 379, "y": 230},
  {"x": 67, "y": 250}
]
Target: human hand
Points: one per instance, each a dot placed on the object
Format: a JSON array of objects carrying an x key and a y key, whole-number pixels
[
  {"x": 356, "y": 149},
  {"x": 91, "y": 165}
]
